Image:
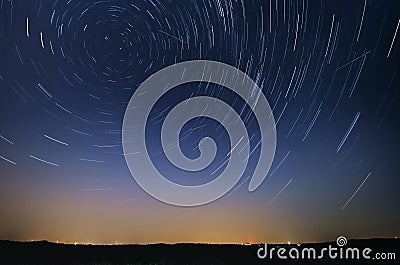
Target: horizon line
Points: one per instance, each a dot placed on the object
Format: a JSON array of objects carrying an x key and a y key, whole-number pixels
[{"x": 116, "y": 243}]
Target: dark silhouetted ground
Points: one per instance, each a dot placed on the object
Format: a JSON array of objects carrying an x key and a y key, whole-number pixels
[{"x": 46, "y": 253}]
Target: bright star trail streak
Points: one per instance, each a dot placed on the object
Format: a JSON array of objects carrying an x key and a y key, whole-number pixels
[
  {"x": 279, "y": 193},
  {"x": 354, "y": 194},
  {"x": 355, "y": 59},
  {"x": 362, "y": 20},
  {"x": 27, "y": 27},
  {"x": 5, "y": 139},
  {"x": 7, "y": 160},
  {"x": 55, "y": 140},
  {"x": 41, "y": 39},
  {"x": 330, "y": 36},
  {"x": 44, "y": 161},
  {"x": 329, "y": 70},
  {"x": 348, "y": 132},
  {"x": 280, "y": 163},
  {"x": 394, "y": 37}
]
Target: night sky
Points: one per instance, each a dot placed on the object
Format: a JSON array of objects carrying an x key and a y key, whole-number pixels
[{"x": 329, "y": 70}]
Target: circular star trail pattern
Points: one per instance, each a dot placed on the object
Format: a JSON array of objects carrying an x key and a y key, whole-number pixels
[{"x": 329, "y": 70}]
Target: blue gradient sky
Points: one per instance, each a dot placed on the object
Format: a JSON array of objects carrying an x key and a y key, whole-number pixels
[{"x": 329, "y": 70}]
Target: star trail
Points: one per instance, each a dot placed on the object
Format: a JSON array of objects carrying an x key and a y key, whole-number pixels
[{"x": 329, "y": 70}]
